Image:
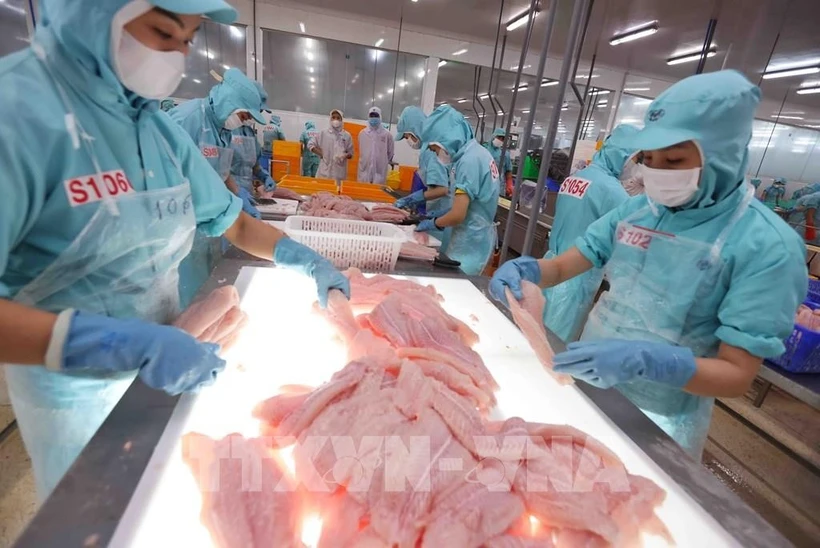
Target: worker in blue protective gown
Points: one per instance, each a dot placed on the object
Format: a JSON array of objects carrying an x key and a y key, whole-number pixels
[
  {"x": 94, "y": 224},
  {"x": 494, "y": 146},
  {"x": 805, "y": 191},
  {"x": 775, "y": 192},
  {"x": 437, "y": 196},
  {"x": 310, "y": 161},
  {"x": 245, "y": 166},
  {"x": 583, "y": 199},
  {"x": 692, "y": 309},
  {"x": 475, "y": 189},
  {"x": 272, "y": 131},
  {"x": 804, "y": 217}
]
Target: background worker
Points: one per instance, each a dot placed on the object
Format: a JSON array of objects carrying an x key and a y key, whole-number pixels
[
  {"x": 90, "y": 242},
  {"x": 583, "y": 199},
  {"x": 375, "y": 150},
  {"x": 437, "y": 196},
  {"x": 334, "y": 147},
  {"x": 690, "y": 266},
  {"x": 272, "y": 131},
  {"x": 310, "y": 161},
  {"x": 476, "y": 188},
  {"x": 494, "y": 147}
]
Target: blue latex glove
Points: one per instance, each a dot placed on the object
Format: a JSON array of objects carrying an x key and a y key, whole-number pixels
[
  {"x": 249, "y": 204},
  {"x": 168, "y": 358},
  {"x": 437, "y": 214},
  {"x": 606, "y": 363},
  {"x": 270, "y": 184},
  {"x": 412, "y": 200},
  {"x": 510, "y": 274},
  {"x": 427, "y": 225},
  {"x": 296, "y": 256}
]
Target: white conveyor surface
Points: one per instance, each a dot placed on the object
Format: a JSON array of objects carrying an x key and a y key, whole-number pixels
[{"x": 287, "y": 343}]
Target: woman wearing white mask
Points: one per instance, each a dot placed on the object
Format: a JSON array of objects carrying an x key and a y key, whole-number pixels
[
  {"x": 632, "y": 175},
  {"x": 334, "y": 146},
  {"x": 102, "y": 193},
  {"x": 692, "y": 310}
]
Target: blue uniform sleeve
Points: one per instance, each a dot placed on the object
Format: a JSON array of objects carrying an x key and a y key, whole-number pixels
[
  {"x": 757, "y": 314},
  {"x": 435, "y": 173},
  {"x": 468, "y": 178},
  {"x": 215, "y": 206},
  {"x": 598, "y": 241}
]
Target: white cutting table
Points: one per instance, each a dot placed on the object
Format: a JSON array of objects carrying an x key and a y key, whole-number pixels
[{"x": 286, "y": 343}]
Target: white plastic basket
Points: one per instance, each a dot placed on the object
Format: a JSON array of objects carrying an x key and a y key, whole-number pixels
[{"x": 345, "y": 243}]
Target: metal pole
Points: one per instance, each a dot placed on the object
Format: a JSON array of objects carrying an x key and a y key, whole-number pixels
[
  {"x": 492, "y": 70},
  {"x": 524, "y": 49},
  {"x": 707, "y": 43},
  {"x": 396, "y": 70},
  {"x": 542, "y": 63},
  {"x": 578, "y": 13},
  {"x": 584, "y": 104}
]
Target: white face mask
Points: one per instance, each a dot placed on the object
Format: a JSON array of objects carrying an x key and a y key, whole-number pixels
[
  {"x": 147, "y": 72},
  {"x": 444, "y": 157},
  {"x": 233, "y": 122},
  {"x": 632, "y": 178},
  {"x": 414, "y": 143},
  {"x": 336, "y": 124},
  {"x": 670, "y": 187},
  {"x": 497, "y": 143}
]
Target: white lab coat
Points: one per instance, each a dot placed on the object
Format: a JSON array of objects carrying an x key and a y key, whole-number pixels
[
  {"x": 334, "y": 143},
  {"x": 375, "y": 155}
]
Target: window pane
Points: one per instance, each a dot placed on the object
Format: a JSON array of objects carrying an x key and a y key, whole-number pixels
[
  {"x": 13, "y": 28},
  {"x": 216, "y": 47}
]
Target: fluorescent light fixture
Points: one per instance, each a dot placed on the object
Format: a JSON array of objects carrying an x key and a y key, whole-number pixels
[
  {"x": 522, "y": 87},
  {"x": 379, "y": 42},
  {"x": 390, "y": 90},
  {"x": 564, "y": 108},
  {"x": 639, "y": 102},
  {"x": 208, "y": 54},
  {"x": 460, "y": 52},
  {"x": 599, "y": 92},
  {"x": 420, "y": 74},
  {"x": 403, "y": 83},
  {"x": 485, "y": 96},
  {"x": 236, "y": 32},
  {"x": 787, "y": 117},
  {"x": 636, "y": 89},
  {"x": 808, "y": 91},
  {"x": 462, "y": 101},
  {"x": 603, "y": 103},
  {"x": 525, "y": 111},
  {"x": 500, "y": 113},
  {"x": 302, "y": 27},
  {"x": 442, "y": 63},
  {"x": 635, "y": 33},
  {"x": 380, "y": 96},
  {"x": 312, "y": 79},
  {"x": 694, "y": 56},
  {"x": 791, "y": 72},
  {"x": 520, "y": 20},
  {"x": 515, "y": 67},
  {"x": 585, "y": 76},
  {"x": 309, "y": 56},
  {"x": 226, "y": 67},
  {"x": 549, "y": 83},
  {"x": 310, "y": 70},
  {"x": 197, "y": 81},
  {"x": 813, "y": 126},
  {"x": 481, "y": 115}
]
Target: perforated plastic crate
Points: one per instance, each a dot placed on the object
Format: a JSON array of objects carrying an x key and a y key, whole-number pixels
[{"x": 346, "y": 243}]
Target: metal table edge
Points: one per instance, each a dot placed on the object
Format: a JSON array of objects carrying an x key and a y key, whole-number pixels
[{"x": 87, "y": 505}]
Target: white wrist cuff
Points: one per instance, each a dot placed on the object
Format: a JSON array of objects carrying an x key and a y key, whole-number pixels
[{"x": 54, "y": 352}]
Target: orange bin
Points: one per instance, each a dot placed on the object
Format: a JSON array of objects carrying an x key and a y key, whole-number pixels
[
  {"x": 308, "y": 185},
  {"x": 353, "y": 163},
  {"x": 365, "y": 192},
  {"x": 287, "y": 159},
  {"x": 406, "y": 173}
]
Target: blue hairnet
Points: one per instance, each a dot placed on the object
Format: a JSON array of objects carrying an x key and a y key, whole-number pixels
[
  {"x": 447, "y": 127},
  {"x": 310, "y": 125},
  {"x": 716, "y": 110},
  {"x": 276, "y": 120},
  {"x": 615, "y": 152},
  {"x": 411, "y": 121},
  {"x": 83, "y": 27},
  {"x": 499, "y": 133},
  {"x": 780, "y": 181},
  {"x": 236, "y": 92}
]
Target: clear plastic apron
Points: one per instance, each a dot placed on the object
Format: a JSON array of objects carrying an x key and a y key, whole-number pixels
[
  {"x": 653, "y": 305},
  {"x": 122, "y": 264},
  {"x": 244, "y": 152},
  {"x": 472, "y": 243},
  {"x": 569, "y": 303},
  {"x": 219, "y": 157}
]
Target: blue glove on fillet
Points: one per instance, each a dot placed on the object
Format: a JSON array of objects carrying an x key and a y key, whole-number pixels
[
  {"x": 414, "y": 199},
  {"x": 510, "y": 274},
  {"x": 249, "y": 204},
  {"x": 301, "y": 258},
  {"x": 168, "y": 358},
  {"x": 605, "y": 363},
  {"x": 270, "y": 184},
  {"x": 427, "y": 225}
]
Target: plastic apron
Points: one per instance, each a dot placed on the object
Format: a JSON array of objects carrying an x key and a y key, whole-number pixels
[
  {"x": 123, "y": 264},
  {"x": 244, "y": 160},
  {"x": 439, "y": 205},
  {"x": 473, "y": 242},
  {"x": 655, "y": 308},
  {"x": 569, "y": 303},
  {"x": 310, "y": 161}
]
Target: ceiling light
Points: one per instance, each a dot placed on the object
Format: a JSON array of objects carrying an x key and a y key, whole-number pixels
[
  {"x": 460, "y": 52},
  {"x": 236, "y": 32},
  {"x": 379, "y": 42},
  {"x": 308, "y": 43},
  {"x": 500, "y": 113},
  {"x": 814, "y": 127},
  {"x": 694, "y": 56},
  {"x": 639, "y": 102},
  {"x": 420, "y": 74},
  {"x": 636, "y": 89},
  {"x": 390, "y": 90},
  {"x": 442, "y": 63},
  {"x": 790, "y": 72},
  {"x": 380, "y": 96},
  {"x": 520, "y": 20},
  {"x": 564, "y": 108},
  {"x": 197, "y": 81},
  {"x": 414, "y": 1},
  {"x": 402, "y": 84},
  {"x": 310, "y": 70},
  {"x": 485, "y": 96},
  {"x": 635, "y": 33},
  {"x": 481, "y": 115},
  {"x": 226, "y": 67},
  {"x": 525, "y": 111},
  {"x": 599, "y": 92},
  {"x": 585, "y": 76},
  {"x": 206, "y": 53},
  {"x": 808, "y": 91},
  {"x": 309, "y": 56},
  {"x": 522, "y": 87},
  {"x": 462, "y": 101},
  {"x": 603, "y": 103},
  {"x": 312, "y": 79},
  {"x": 787, "y": 117},
  {"x": 302, "y": 27},
  {"x": 549, "y": 83},
  {"x": 515, "y": 67}
]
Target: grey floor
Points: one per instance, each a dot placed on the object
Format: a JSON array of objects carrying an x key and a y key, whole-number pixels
[{"x": 769, "y": 456}]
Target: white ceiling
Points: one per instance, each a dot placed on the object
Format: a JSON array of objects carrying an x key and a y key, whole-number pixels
[{"x": 748, "y": 33}]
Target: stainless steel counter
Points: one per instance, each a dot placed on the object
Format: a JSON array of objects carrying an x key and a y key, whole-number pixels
[
  {"x": 543, "y": 227},
  {"x": 89, "y": 502}
]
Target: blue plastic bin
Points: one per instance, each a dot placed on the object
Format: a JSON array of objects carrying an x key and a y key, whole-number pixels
[
  {"x": 814, "y": 290},
  {"x": 802, "y": 353}
]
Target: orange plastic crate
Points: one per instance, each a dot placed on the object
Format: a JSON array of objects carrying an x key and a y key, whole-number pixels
[
  {"x": 308, "y": 185},
  {"x": 365, "y": 192}
]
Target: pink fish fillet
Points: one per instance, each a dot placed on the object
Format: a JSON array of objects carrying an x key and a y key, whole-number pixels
[
  {"x": 208, "y": 312},
  {"x": 528, "y": 316}
]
